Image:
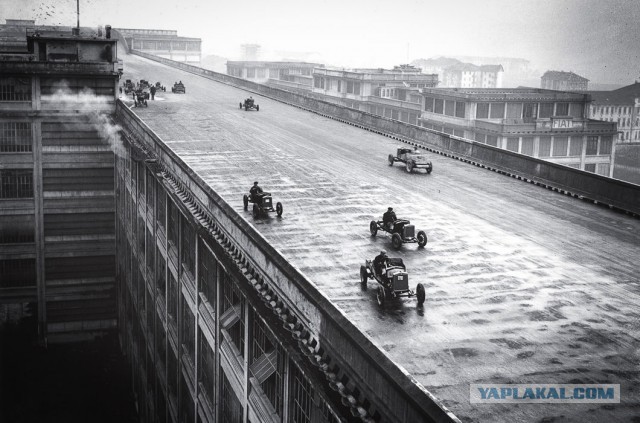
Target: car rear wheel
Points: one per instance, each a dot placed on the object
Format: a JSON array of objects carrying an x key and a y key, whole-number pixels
[
  {"x": 391, "y": 160},
  {"x": 422, "y": 239},
  {"x": 279, "y": 209},
  {"x": 429, "y": 170},
  {"x": 373, "y": 228},
  {"x": 363, "y": 275},
  {"x": 420, "y": 294},
  {"x": 245, "y": 201},
  {"x": 409, "y": 166},
  {"x": 396, "y": 241},
  {"x": 381, "y": 296},
  {"x": 241, "y": 105},
  {"x": 257, "y": 108},
  {"x": 256, "y": 210}
]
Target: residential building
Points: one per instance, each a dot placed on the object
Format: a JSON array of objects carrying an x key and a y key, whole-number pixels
[
  {"x": 454, "y": 73},
  {"x": 163, "y": 43},
  {"x": 550, "y": 125},
  {"x": 390, "y": 93},
  {"x": 563, "y": 81},
  {"x": 57, "y": 233},
  {"x": 621, "y": 106}
]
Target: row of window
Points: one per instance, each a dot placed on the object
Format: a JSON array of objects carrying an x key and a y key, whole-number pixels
[
  {"x": 337, "y": 85},
  {"x": 502, "y": 110},
  {"x": 15, "y": 89},
  {"x": 606, "y": 110}
]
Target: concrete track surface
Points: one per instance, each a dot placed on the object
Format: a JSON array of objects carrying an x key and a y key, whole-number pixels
[{"x": 524, "y": 285}]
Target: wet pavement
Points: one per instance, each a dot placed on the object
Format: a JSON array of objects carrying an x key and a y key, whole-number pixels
[{"x": 524, "y": 285}]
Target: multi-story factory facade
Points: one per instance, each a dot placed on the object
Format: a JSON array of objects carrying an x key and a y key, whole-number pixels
[{"x": 56, "y": 183}]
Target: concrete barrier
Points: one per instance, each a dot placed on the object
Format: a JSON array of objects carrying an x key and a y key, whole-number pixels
[
  {"x": 390, "y": 390},
  {"x": 617, "y": 194}
]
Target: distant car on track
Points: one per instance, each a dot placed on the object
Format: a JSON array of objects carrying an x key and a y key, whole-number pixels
[
  {"x": 392, "y": 279},
  {"x": 178, "y": 88},
  {"x": 262, "y": 204},
  {"x": 412, "y": 158},
  {"x": 249, "y": 104}
]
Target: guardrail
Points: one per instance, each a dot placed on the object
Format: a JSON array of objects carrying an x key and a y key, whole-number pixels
[
  {"x": 396, "y": 395},
  {"x": 616, "y": 194}
]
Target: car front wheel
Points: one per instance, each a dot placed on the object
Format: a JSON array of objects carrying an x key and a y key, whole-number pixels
[
  {"x": 279, "y": 209},
  {"x": 373, "y": 228},
  {"x": 422, "y": 239},
  {"x": 391, "y": 160},
  {"x": 245, "y": 201},
  {"x": 381, "y": 296},
  {"x": 363, "y": 275},
  {"x": 420, "y": 293},
  {"x": 256, "y": 211},
  {"x": 409, "y": 166}
]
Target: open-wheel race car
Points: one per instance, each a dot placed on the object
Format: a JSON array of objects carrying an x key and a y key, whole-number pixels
[
  {"x": 392, "y": 278},
  {"x": 160, "y": 87},
  {"x": 141, "y": 98},
  {"x": 412, "y": 158},
  {"x": 262, "y": 204},
  {"x": 249, "y": 104},
  {"x": 178, "y": 88},
  {"x": 128, "y": 86},
  {"x": 401, "y": 232}
]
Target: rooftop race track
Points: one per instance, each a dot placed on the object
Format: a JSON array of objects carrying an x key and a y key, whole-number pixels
[{"x": 524, "y": 285}]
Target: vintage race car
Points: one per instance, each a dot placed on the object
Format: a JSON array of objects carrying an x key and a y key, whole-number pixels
[
  {"x": 412, "y": 158},
  {"x": 262, "y": 204},
  {"x": 160, "y": 87},
  {"x": 178, "y": 88},
  {"x": 392, "y": 279},
  {"x": 249, "y": 104},
  {"x": 401, "y": 231}
]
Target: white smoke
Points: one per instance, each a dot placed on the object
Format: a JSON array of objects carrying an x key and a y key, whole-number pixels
[{"x": 96, "y": 108}]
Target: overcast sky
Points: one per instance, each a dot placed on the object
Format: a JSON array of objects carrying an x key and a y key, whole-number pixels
[{"x": 599, "y": 39}]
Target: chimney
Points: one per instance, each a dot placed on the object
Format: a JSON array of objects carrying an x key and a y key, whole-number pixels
[{"x": 107, "y": 32}]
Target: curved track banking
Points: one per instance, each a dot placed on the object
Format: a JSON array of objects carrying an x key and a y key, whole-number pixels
[{"x": 524, "y": 285}]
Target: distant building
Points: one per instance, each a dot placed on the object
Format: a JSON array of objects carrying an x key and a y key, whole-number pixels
[
  {"x": 550, "y": 125},
  {"x": 454, "y": 73},
  {"x": 163, "y": 43},
  {"x": 390, "y": 93},
  {"x": 286, "y": 75},
  {"x": 250, "y": 52},
  {"x": 563, "y": 81},
  {"x": 621, "y": 106}
]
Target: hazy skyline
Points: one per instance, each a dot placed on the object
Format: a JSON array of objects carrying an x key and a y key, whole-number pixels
[{"x": 598, "y": 39}]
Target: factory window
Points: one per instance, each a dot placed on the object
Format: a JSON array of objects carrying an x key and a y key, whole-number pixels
[
  {"x": 150, "y": 253},
  {"x": 545, "y": 147},
  {"x": 512, "y": 144},
  {"x": 497, "y": 111},
  {"x": 449, "y": 107},
  {"x": 261, "y": 72},
  {"x": 233, "y": 312},
  {"x": 592, "y": 145},
  {"x": 17, "y": 229},
  {"x": 428, "y": 104},
  {"x": 603, "y": 169},
  {"x": 251, "y": 72},
  {"x": 590, "y": 167},
  {"x": 318, "y": 82},
  {"x": 161, "y": 280},
  {"x": 605, "y": 144},
  {"x": 575, "y": 110},
  {"x": 562, "y": 109},
  {"x": 439, "y": 106},
  {"x": 161, "y": 209},
  {"x": 150, "y": 181},
  {"x": 514, "y": 110},
  {"x": 530, "y": 110},
  {"x": 527, "y": 146},
  {"x": 482, "y": 111},
  {"x": 161, "y": 343},
  {"x": 188, "y": 332},
  {"x": 546, "y": 110},
  {"x": 575, "y": 146},
  {"x": 188, "y": 248},
  {"x": 15, "y": 89},
  {"x": 267, "y": 363},
  {"x": 231, "y": 408},
  {"x": 173, "y": 293},
  {"x": 17, "y": 273},
  {"x": 560, "y": 145},
  {"x": 206, "y": 369},
  {"x": 480, "y": 137},
  {"x": 301, "y": 396},
  {"x": 140, "y": 236},
  {"x": 15, "y": 137},
  {"x": 394, "y": 114},
  {"x": 16, "y": 183},
  {"x": 173, "y": 221},
  {"x": 492, "y": 140},
  {"x": 207, "y": 274}
]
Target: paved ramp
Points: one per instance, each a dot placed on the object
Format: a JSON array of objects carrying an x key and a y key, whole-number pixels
[{"x": 524, "y": 285}]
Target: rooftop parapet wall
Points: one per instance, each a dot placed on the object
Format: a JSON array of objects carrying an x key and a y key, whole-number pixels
[
  {"x": 614, "y": 193},
  {"x": 397, "y": 396}
]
